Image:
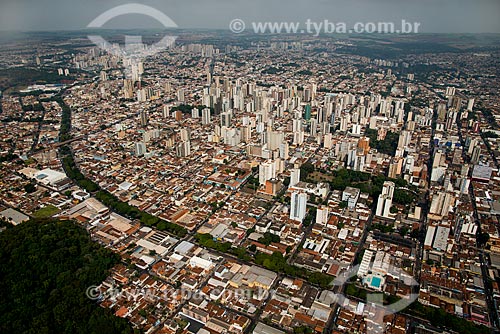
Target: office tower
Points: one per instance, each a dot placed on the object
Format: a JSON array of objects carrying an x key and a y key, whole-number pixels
[
  {"x": 298, "y": 138},
  {"x": 103, "y": 76},
  {"x": 440, "y": 204},
  {"x": 327, "y": 140},
  {"x": 209, "y": 77},
  {"x": 178, "y": 115},
  {"x": 168, "y": 87},
  {"x": 307, "y": 94},
  {"x": 231, "y": 136},
  {"x": 404, "y": 139},
  {"x": 307, "y": 112},
  {"x": 450, "y": 91},
  {"x": 297, "y": 125},
  {"x": 185, "y": 135},
  {"x": 141, "y": 95},
  {"x": 313, "y": 125},
  {"x": 464, "y": 171},
  {"x": 385, "y": 199},
  {"x": 344, "y": 122},
  {"x": 183, "y": 149},
  {"x": 322, "y": 215},
  {"x": 451, "y": 118},
  {"x": 294, "y": 176},
  {"x": 325, "y": 128},
  {"x": 332, "y": 121},
  {"x": 267, "y": 171},
  {"x": 144, "y": 118},
  {"x": 166, "y": 111},
  {"x": 356, "y": 129},
  {"x": 128, "y": 89},
  {"x": 395, "y": 167},
  {"x": 463, "y": 185},
  {"x": 274, "y": 139},
  {"x": 180, "y": 95},
  {"x": 364, "y": 144},
  {"x": 205, "y": 116},
  {"x": 470, "y": 104},
  {"x": 298, "y": 206},
  {"x": 140, "y": 149},
  {"x": 260, "y": 127},
  {"x": 225, "y": 119},
  {"x": 359, "y": 162},
  {"x": 321, "y": 115},
  {"x": 284, "y": 151},
  {"x": 476, "y": 154},
  {"x": 195, "y": 113}
]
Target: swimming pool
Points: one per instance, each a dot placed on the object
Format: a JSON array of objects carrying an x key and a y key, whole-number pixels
[{"x": 375, "y": 282}]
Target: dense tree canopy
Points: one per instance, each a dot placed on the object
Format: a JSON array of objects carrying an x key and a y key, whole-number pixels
[
  {"x": 45, "y": 268},
  {"x": 388, "y": 145}
]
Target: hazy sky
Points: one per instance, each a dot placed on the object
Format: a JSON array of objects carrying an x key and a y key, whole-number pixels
[{"x": 455, "y": 16}]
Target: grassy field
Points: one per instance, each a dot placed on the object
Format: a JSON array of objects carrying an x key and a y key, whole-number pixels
[
  {"x": 320, "y": 177},
  {"x": 46, "y": 212}
]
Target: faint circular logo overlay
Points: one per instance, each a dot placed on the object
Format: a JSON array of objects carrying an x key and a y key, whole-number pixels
[
  {"x": 134, "y": 49},
  {"x": 237, "y": 26},
  {"x": 93, "y": 292},
  {"x": 375, "y": 300}
]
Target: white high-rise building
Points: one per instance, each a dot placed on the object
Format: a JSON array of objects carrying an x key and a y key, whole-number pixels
[
  {"x": 185, "y": 135},
  {"x": 284, "y": 151},
  {"x": 294, "y": 176},
  {"x": 205, "y": 116},
  {"x": 274, "y": 139},
  {"x": 183, "y": 149},
  {"x": 322, "y": 215},
  {"x": 299, "y": 206},
  {"x": 327, "y": 141},
  {"x": 385, "y": 199},
  {"x": 140, "y": 149},
  {"x": 297, "y": 125},
  {"x": 225, "y": 119},
  {"x": 267, "y": 171},
  {"x": 195, "y": 113},
  {"x": 440, "y": 204},
  {"x": 450, "y": 91},
  {"x": 298, "y": 138},
  {"x": 470, "y": 104},
  {"x": 180, "y": 95}
]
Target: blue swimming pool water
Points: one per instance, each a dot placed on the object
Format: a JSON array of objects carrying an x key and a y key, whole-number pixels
[{"x": 376, "y": 282}]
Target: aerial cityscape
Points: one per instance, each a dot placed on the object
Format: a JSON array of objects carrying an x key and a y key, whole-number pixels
[{"x": 262, "y": 178}]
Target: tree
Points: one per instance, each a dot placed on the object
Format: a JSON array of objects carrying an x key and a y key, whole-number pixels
[
  {"x": 482, "y": 238},
  {"x": 46, "y": 268},
  {"x": 30, "y": 188},
  {"x": 302, "y": 330},
  {"x": 305, "y": 170},
  {"x": 269, "y": 238},
  {"x": 403, "y": 197}
]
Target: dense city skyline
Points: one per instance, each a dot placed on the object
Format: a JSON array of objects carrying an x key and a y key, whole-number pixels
[
  {"x": 443, "y": 16},
  {"x": 269, "y": 167}
]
